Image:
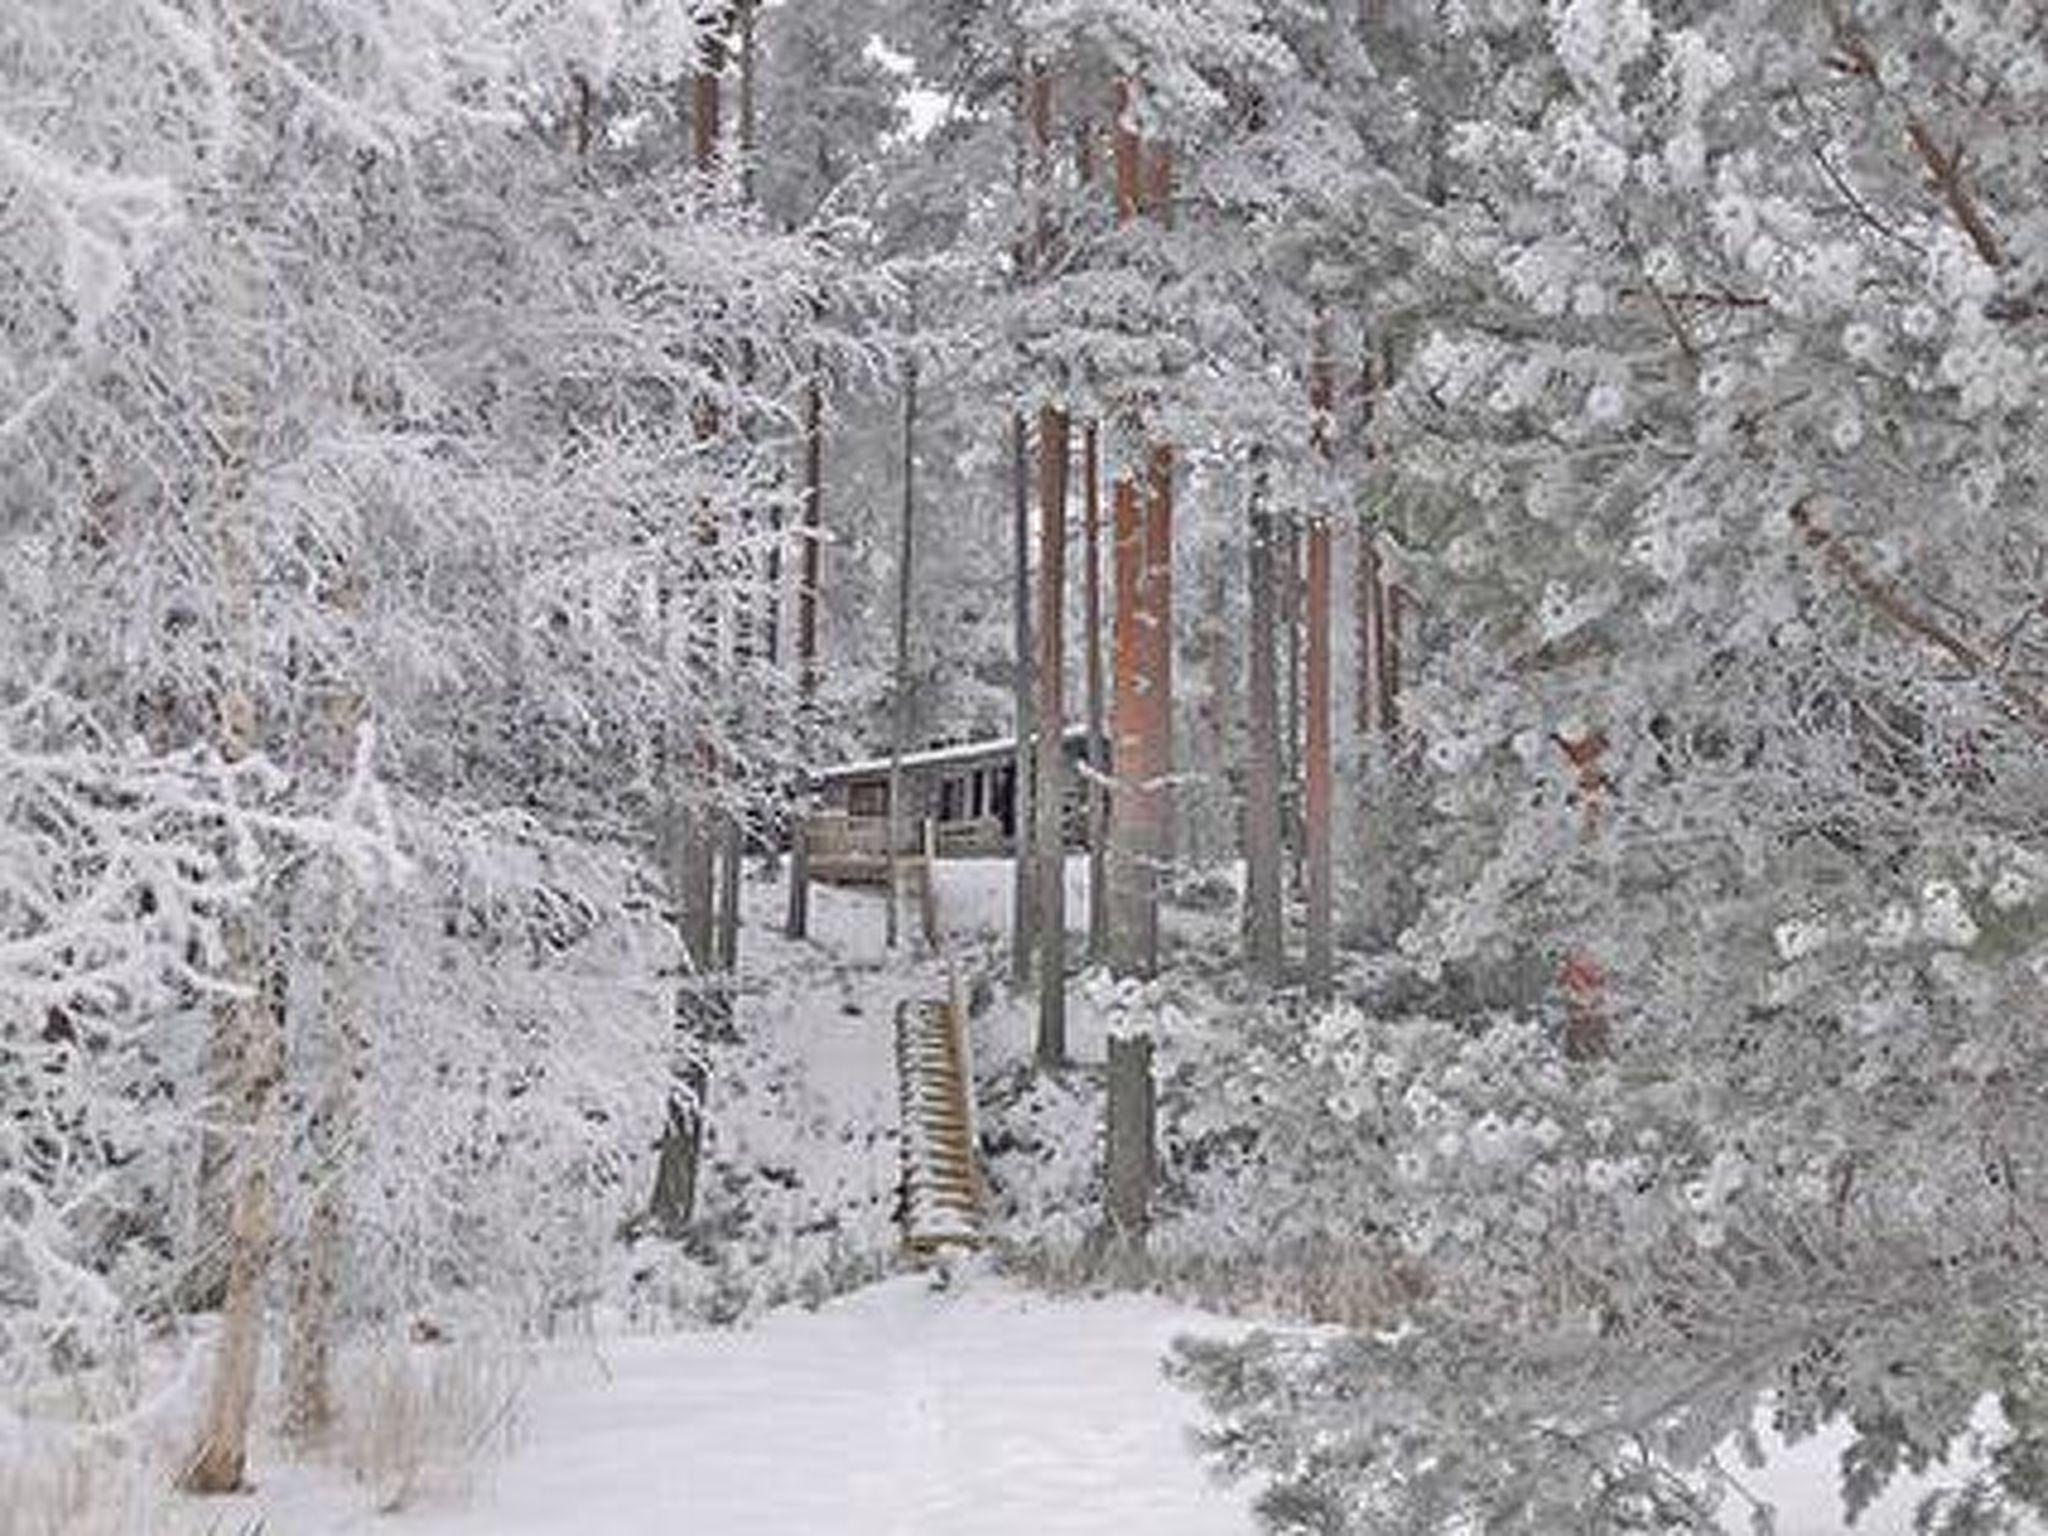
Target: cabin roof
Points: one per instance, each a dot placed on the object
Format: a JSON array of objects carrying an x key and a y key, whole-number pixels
[{"x": 959, "y": 755}]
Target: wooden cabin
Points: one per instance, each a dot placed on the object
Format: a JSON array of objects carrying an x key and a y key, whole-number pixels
[{"x": 968, "y": 792}]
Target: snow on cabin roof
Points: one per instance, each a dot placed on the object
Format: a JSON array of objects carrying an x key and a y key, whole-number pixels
[{"x": 958, "y": 754}]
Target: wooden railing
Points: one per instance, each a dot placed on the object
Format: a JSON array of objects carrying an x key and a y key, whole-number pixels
[{"x": 944, "y": 1199}]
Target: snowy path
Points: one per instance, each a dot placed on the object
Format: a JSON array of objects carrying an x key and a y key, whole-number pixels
[{"x": 898, "y": 1411}]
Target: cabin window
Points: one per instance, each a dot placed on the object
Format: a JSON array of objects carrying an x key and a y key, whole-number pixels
[
  {"x": 1002, "y": 800},
  {"x": 978, "y": 788},
  {"x": 871, "y": 799}
]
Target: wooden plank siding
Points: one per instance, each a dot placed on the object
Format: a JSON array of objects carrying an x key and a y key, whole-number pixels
[{"x": 968, "y": 792}]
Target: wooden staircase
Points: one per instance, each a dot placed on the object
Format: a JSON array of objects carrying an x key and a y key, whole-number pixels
[{"x": 944, "y": 1199}]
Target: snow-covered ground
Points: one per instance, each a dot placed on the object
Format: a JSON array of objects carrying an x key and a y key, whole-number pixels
[{"x": 979, "y": 1410}]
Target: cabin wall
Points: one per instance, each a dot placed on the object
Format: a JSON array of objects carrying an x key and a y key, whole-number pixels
[{"x": 971, "y": 802}]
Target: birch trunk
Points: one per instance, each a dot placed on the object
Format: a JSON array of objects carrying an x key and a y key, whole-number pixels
[{"x": 247, "y": 1037}]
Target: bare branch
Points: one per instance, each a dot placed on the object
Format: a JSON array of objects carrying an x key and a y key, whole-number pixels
[{"x": 1894, "y": 605}]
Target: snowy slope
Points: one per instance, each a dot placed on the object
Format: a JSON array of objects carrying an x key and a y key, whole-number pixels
[{"x": 899, "y": 1411}]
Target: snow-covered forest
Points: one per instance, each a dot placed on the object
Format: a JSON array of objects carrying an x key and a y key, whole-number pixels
[{"x": 1299, "y": 746}]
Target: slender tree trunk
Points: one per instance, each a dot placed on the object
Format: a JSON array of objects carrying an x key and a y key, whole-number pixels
[
  {"x": 798, "y": 919},
  {"x": 1131, "y": 918},
  {"x": 249, "y": 1039},
  {"x": 743, "y": 28},
  {"x": 1098, "y": 743},
  {"x": 1158, "y": 695},
  {"x": 705, "y": 93},
  {"x": 1023, "y": 825},
  {"x": 1050, "y": 794},
  {"x": 1033, "y": 89},
  {"x": 1317, "y": 799},
  {"x": 1290, "y": 737},
  {"x": 899, "y": 731},
  {"x": 1264, "y": 876},
  {"x": 1584, "y": 978},
  {"x": 723, "y": 837},
  {"x": 688, "y": 837},
  {"x": 1049, "y": 790},
  {"x": 309, "y": 1350},
  {"x": 332, "y": 1125},
  {"x": 220, "y": 1463},
  {"x": 1159, "y": 608},
  {"x": 1378, "y": 619},
  {"x": 1097, "y": 795},
  {"x": 1371, "y": 598}
]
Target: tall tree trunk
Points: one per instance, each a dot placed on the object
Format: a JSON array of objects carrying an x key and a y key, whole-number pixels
[
  {"x": 1264, "y": 875},
  {"x": 309, "y": 1347},
  {"x": 331, "y": 1126},
  {"x": 797, "y": 920},
  {"x": 1141, "y": 810},
  {"x": 1378, "y": 601},
  {"x": 1098, "y": 742},
  {"x": 1033, "y": 87},
  {"x": 744, "y": 15},
  {"x": 1132, "y": 916},
  {"x": 1023, "y": 899},
  {"x": 1096, "y": 791},
  {"x": 899, "y": 727},
  {"x": 1050, "y": 798},
  {"x": 1048, "y": 792},
  {"x": 723, "y": 837},
  {"x": 1291, "y": 776},
  {"x": 688, "y": 835},
  {"x": 1317, "y": 790},
  {"x": 1317, "y": 797},
  {"x": 1371, "y": 598},
  {"x": 249, "y": 1040},
  {"x": 1159, "y": 609}
]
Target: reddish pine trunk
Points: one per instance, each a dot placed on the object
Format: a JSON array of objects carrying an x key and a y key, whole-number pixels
[{"x": 1141, "y": 822}]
